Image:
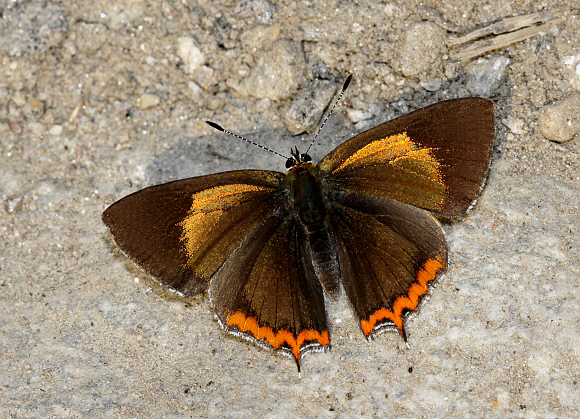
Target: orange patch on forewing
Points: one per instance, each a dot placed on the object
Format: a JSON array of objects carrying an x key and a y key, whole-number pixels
[
  {"x": 206, "y": 209},
  {"x": 196, "y": 228},
  {"x": 398, "y": 150},
  {"x": 224, "y": 196},
  {"x": 382, "y": 150},
  {"x": 411, "y": 163},
  {"x": 420, "y": 161},
  {"x": 405, "y": 302},
  {"x": 250, "y": 325}
]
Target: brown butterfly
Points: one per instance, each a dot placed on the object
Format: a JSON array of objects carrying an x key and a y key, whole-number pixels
[{"x": 269, "y": 245}]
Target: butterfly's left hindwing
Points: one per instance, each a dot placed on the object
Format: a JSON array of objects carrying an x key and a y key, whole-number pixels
[
  {"x": 266, "y": 292},
  {"x": 181, "y": 232}
]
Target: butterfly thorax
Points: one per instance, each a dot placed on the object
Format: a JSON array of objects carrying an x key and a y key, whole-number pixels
[
  {"x": 310, "y": 208},
  {"x": 306, "y": 194}
]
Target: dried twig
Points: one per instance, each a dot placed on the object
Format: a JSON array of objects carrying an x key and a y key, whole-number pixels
[{"x": 514, "y": 29}]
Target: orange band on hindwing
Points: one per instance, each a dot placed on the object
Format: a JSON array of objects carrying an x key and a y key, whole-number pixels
[
  {"x": 405, "y": 302},
  {"x": 276, "y": 340}
]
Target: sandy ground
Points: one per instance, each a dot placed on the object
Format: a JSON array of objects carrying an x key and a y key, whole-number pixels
[{"x": 101, "y": 98}]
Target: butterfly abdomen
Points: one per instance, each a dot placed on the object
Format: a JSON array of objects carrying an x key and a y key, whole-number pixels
[{"x": 323, "y": 256}]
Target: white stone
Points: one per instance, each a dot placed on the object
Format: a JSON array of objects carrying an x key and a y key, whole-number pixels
[{"x": 190, "y": 54}]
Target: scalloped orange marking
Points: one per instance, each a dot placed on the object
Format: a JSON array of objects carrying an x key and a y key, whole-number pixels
[
  {"x": 427, "y": 273},
  {"x": 250, "y": 324}
]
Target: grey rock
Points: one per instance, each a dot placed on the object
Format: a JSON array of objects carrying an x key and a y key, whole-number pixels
[
  {"x": 306, "y": 109},
  {"x": 485, "y": 75},
  {"x": 279, "y": 71},
  {"x": 31, "y": 26}
]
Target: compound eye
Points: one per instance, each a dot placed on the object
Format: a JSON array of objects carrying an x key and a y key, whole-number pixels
[
  {"x": 306, "y": 158},
  {"x": 289, "y": 163}
]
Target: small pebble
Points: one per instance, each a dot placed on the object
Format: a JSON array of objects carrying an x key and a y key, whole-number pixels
[
  {"x": 215, "y": 102},
  {"x": 148, "y": 101},
  {"x": 279, "y": 71},
  {"x": 55, "y": 130},
  {"x": 16, "y": 127},
  {"x": 424, "y": 46},
  {"x": 515, "y": 125},
  {"x": 206, "y": 78},
  {"x": 13, "y": 204},
  {"x": 356, "y": 115},
  {"x": 306, "y": 109},
  {"x": 431, "y": 86},
  {"x": 484, "y": 75},
  {"x": 560, "y": 121},
  {"x": 34, "y": 109},
  {"x": 391, "y": 9},
  {"x": 259, "y": 37},
  {"x": 36, "y": 128},
  {"x": 195, "y": 92}
]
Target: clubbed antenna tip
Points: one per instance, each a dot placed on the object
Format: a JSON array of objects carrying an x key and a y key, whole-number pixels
[
  {"x": 216, "y": 126},
  {"x": 346, "y": 82}
]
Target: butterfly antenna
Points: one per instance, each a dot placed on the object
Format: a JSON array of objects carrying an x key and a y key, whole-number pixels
[
  {"x": 344, "y": 87},
  {"x": 220, "y": 128}
]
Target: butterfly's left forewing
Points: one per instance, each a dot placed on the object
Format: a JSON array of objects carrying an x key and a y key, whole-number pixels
[{"x": 181, "y": 232}]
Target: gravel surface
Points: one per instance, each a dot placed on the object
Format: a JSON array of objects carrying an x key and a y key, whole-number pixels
[{"x": 99, "y": 99}]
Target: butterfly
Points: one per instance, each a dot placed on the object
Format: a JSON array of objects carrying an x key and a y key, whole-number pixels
[{"x": 268, "y": 246}]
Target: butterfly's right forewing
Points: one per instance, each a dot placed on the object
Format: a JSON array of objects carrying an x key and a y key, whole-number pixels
[{"x": 436, "y": 158}]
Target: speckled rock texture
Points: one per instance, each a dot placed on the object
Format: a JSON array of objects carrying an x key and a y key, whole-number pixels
[{"x": 99, "y": 99}]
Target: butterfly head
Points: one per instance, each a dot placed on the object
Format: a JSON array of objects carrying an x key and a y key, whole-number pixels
[{"x": 297, "y": 158}]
